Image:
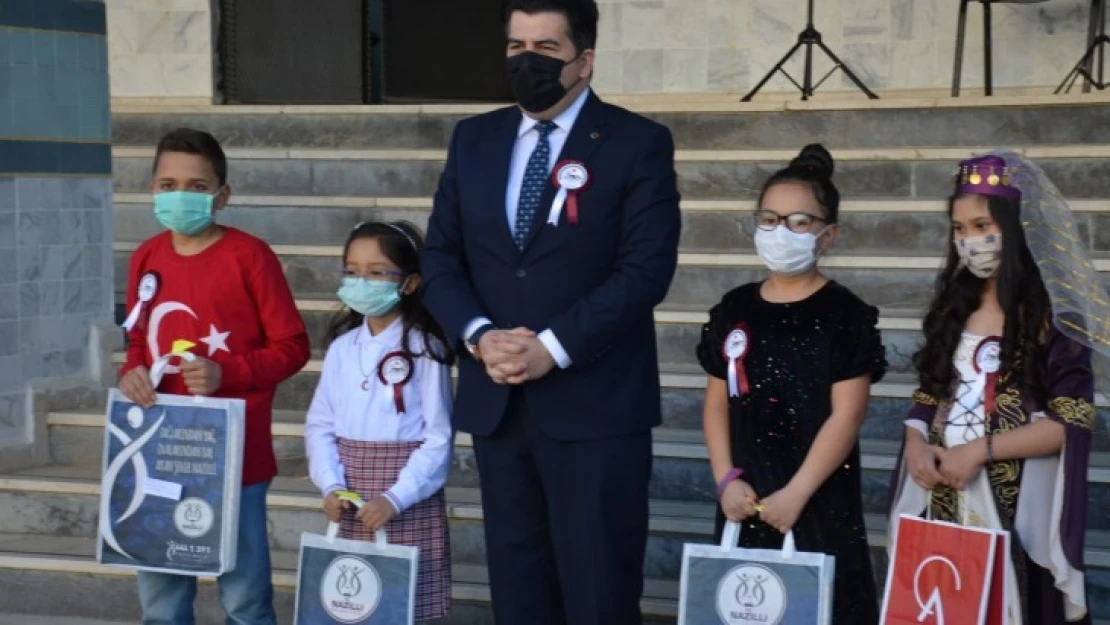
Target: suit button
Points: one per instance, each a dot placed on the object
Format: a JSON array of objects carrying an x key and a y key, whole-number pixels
[{"x": 520, "y": 273}]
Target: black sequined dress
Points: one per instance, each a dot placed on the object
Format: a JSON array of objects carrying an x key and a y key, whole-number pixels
[{"x": 798, "y": 351}]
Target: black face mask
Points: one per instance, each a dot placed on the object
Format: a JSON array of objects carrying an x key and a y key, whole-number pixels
[{"x": 534, "y": 78}]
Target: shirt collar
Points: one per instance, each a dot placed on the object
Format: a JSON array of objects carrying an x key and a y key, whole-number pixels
[
  {"x": 564, "y": 120},
  {"x": 389, "y": 337}
]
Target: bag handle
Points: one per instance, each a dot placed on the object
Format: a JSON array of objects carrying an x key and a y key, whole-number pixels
[
  {"x": 730, "y": 539},
  {"x": 357, "y": 501},
  {"x": 158, "y": 367},
  {"x": 380, "y": 538}
]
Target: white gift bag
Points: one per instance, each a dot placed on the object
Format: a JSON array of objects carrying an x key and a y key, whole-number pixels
[
  {"x": 354, "y": 581},
  {"x": 732, "y": 586},
  {"x": 171, "y": 479}
]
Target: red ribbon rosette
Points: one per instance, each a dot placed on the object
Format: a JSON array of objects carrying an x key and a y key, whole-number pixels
[
  {"x": 570, "y": 178},
  {"x": 988, "y": 359},
  {"x": 735, "y": 349},
  {"x": 396, "y": 370}
]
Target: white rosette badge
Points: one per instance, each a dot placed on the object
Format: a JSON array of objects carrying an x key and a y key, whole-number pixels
[
  {"x": 570, "y": 178},
  {"x": 988, "y": 360},
  {"x": 396, "y": 370},
  {"x": 735, "y": 350},
  {"x": 148, "y": 289}
]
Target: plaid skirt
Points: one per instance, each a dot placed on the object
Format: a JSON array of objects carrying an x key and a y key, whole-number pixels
[{"x": 371, "y": 468}]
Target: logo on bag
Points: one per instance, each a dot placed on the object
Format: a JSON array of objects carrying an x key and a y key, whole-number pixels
[
  {"x": 193, "y": 517},
  {"x": 750, "y": 593},
  {"x": 933, "y": 605},
  {"x": 350, "y": 590}
]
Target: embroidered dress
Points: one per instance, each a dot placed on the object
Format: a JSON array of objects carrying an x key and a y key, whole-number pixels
[{"x": 1042, "y": 501}]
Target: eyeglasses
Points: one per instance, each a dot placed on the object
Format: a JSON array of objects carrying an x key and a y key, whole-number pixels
[
  {"x": 795, "y": 222},
  {"x": 375, "y": 274}
]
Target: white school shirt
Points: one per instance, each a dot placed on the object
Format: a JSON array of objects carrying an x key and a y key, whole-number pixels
[
  {"x": 526, "y": 139},
  {"x": 341, "y": 409}
]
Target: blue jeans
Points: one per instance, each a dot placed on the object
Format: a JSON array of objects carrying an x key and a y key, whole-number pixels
[{"x": 246, "y": 593}]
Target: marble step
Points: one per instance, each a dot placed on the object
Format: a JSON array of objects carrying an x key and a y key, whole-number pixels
[
  {"x": 886, "y": 281},
  {"x": 1080, "y": 171},
  {"x": 878, "y": 226},
  {"x": 62, "y": 501},
  {"x": 682, "y": 395},
  {"x": 293, "y": 509},
  {"x": 677, "y": 332},
  {"x": 680, "y": 471},
  {"x": 726, "y": 125},
  {"x": 35, "y": 619},
  {"x": 52, "y": 575}
]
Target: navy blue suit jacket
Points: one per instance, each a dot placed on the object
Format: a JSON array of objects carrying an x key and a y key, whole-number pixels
[{"x": 595, "y": 284}]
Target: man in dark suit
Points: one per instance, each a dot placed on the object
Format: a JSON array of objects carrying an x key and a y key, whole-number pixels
[{"x": 553, "y": 236}]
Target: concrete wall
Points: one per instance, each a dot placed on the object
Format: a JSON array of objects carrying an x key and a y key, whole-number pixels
[
  {"x": 669, "y": 46},
  {"x": 55, "y": 197},
  {"x": 163, "y": 49}
]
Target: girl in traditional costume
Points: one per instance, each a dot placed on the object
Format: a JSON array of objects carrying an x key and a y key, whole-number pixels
[
  {"x": 1000, "y": 429},
  {"x": 790, "y": 361}
]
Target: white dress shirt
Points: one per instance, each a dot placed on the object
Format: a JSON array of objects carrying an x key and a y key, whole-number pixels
[
  {"x": 526, "y": 139},
  {"x": 342, "y": 409}
]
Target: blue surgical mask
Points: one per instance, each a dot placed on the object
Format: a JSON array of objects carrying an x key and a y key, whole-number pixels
[
  {"x": 370, "y": 298},
  {"x": 184, "y": 212}
]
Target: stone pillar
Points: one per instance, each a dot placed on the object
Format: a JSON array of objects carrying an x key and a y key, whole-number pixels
[{"x": 55, "y": 202}]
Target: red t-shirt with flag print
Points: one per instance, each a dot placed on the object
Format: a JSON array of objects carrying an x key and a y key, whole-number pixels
[{"x": 233, "y": 304}]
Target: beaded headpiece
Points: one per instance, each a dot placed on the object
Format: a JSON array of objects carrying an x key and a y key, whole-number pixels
[{"x": 986, "y": 175}]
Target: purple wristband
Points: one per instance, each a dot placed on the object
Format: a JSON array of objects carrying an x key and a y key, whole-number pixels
[{"x": 734, "y": 473}]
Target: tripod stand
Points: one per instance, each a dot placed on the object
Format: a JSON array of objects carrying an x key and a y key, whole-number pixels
[
  {"x": 1085, "y": 67},
  {"x": 809, "y": 37}
]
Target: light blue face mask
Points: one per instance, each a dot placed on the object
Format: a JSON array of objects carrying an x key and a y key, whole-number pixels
[
  {"x": 184, "y": 212},
  {"x": 370, "y": 298}
]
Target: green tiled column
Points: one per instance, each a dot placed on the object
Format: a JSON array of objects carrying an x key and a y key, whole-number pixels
[{"x": 55, "y": 196}]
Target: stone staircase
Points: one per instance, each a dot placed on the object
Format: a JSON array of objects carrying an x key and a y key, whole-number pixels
[{"x": 304, "y": 176}]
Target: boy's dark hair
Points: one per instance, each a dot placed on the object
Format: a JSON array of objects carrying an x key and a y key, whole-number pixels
[
  {"x": 581, "y": 17},
  {"x": 401, "y": 243},
  {"x": 190, "y": 141}
]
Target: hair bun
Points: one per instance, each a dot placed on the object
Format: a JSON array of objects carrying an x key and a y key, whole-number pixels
[{"x": 815, "y": 157}]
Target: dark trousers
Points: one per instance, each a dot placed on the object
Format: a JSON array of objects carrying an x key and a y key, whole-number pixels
[{"x": 566, "y": 523}]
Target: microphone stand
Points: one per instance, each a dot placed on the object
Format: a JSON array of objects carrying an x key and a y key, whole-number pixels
[{"x": 809, "y": 37}]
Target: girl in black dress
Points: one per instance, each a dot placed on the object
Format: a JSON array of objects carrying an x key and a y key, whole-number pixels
[{"x": 790, "y": 363}]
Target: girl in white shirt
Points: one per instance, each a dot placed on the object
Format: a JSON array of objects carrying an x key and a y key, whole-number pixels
[{"x": 380, "y": 421}]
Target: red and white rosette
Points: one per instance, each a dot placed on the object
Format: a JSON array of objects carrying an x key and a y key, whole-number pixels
[
  {"x": 988, "y": 360},
  {"x": 147, "y": 291},
  {"x": 396, "y": 370},
  {"x": 735, "y": 349},
  {"x": 570, "y": 178}
]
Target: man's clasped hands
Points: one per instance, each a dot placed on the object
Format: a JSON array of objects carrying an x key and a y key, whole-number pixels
[{"x": 514, "y": 356}]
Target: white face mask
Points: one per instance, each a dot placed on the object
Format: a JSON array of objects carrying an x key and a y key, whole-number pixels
[
  {"x": 785, "y": 251},
  {"x": 981, "y": 255}
]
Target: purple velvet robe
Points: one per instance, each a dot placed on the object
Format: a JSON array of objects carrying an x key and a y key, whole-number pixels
[{"x": 1071, "y": 403}]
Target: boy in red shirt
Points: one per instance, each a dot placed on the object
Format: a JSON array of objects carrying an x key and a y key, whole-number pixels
[{"x": 224, "y": 291}]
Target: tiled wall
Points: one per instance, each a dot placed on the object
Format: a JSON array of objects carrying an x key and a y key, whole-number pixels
[{"x": 55, "y": 196}]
